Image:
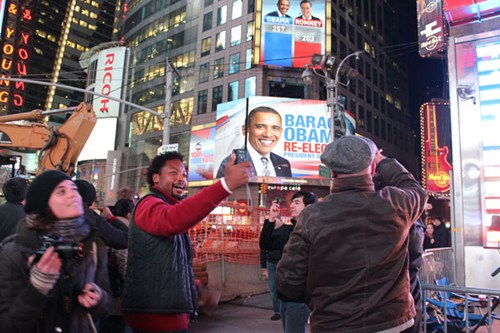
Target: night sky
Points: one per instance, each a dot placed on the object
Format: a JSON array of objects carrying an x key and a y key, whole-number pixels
[{"x": 428, "y": 77}]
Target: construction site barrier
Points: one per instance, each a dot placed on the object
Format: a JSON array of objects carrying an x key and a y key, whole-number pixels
[{"x": 230, "y": 233}]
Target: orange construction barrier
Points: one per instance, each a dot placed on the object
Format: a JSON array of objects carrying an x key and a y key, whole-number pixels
[{"x": 230, "y": 233}]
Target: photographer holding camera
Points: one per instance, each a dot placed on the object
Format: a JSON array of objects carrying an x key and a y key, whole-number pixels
[
  {"x": 273, "y": 237},
  {"x": 53, "y": 273}
]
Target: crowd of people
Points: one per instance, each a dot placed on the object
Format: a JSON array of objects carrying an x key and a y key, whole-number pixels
[
  {"x": 437, "y": 235},
  {"x": 348, "y": 262},
  {"x": 65, "y": 267}
]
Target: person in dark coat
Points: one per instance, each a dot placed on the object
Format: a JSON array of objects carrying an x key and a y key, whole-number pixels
[
  {"x": 117, "y": 267},
  {"x": 429, "y": 241},
  {"x": 12, "y": 211},
  {"x": 441, "y": 234},
  {"x": 347, "y": 257},
  {"x": 295, "y": 315},
  {"x": 415, "y": 252},
  {"x": 45, "y": 287},
  {"x": 113, "y": 232}
]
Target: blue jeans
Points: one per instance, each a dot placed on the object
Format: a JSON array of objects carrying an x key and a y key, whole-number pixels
[
  {"x": 294, "y": 316},
  {"x": 271, "y": 272}
]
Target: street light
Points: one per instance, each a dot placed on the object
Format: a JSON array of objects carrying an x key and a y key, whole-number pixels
[
  {"x": 325, "y": 62},
  {"x": 167, "y": 114}
]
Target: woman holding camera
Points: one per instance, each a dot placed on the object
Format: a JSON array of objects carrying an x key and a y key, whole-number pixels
[{"x": 53, "y": 273}]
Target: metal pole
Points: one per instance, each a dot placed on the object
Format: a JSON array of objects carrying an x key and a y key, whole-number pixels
[
  {"x": 334, "y": 84},
  {"x": 331, "y": 102},
  {"x": 167, "y": 114}
]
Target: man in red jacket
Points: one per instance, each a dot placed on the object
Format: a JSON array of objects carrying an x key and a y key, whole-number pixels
[{"x": 160, "y": 292}]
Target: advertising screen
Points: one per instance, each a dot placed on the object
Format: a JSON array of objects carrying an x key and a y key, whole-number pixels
[
  {"x": 431, "y": 30},
  {"x": 109, "y": 81},
  {"x": 488, "y": 66},
  {"x": 201, "y": 153},
  {"x": 101, "y": 140},
  {"x": 291, "y": 32},
  {"x": 290, "y": 133}
]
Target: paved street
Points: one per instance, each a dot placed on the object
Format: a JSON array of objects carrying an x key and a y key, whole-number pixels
[
  {"x": 250, "y": 315},
  {"x": 242, "y": 315}
]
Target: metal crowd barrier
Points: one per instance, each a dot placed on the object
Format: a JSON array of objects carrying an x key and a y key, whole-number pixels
[
  {"x": 438, "y": 263},
  {"x": 452, "y": 308},
  {"x": 474, "y": 309}
]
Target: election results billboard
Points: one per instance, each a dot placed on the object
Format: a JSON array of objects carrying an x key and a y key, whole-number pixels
[
  {"x": 289, "y": 32},
  {"x": 291, "y": 132}
]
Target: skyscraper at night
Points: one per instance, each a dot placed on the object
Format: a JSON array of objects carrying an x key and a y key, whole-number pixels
[
  {"x": 43, "y": 40},
  {"x": 214, "y": 45}
]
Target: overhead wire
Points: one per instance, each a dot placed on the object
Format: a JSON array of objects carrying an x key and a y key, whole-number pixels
[{"x": 396, "y": 50}]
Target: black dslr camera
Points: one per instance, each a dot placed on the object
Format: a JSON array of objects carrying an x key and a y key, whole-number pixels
[{"x": 64, "y": 249}]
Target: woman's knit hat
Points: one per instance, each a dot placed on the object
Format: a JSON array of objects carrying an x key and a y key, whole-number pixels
[
  {"x": 37, "y": 198},
  {"x": 87, "y": 191}
]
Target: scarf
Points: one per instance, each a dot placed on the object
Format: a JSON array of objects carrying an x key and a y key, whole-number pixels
[{"x": 71, "y": 230}]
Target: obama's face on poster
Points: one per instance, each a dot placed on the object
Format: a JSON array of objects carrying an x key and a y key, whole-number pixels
[
  {"x": 264, "y": 131},
  {"x": 283, "y": 6}
]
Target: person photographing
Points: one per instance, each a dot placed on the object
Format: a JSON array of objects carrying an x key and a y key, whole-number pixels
[{"x": 64, "y": 287}]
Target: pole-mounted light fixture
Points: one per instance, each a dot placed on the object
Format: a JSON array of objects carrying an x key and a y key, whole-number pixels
[
  {"x": 327, "y": 62},
  {"x": 307, "y": 76},
  {"x": 318, "y": 59}
]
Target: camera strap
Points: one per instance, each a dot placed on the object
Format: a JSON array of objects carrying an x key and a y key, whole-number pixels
[{"x": 66, "y": 289}]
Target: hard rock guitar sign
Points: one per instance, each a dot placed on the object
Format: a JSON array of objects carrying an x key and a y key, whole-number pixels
[{"x": 436, "y": 163}]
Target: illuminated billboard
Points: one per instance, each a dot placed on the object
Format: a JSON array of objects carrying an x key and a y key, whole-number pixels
[
  {"x": 436, "y": 147},
  {"x": 289, "y": 133},
  {"x": 289, "y": 32},
  {"x": 101, "y": 140},
  {"x": 488, "y": 67},
  {"x": 431, "y": 30},
  {"x": 460, "y": 12},
  {"x": 108, "y": 81},
  {"x": 2, "y": 12},
  {"x": 15, "y": 54},
  {"x": 201, "y": 153}
]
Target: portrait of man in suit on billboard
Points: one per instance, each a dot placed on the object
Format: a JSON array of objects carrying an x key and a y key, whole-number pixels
[
  {"x": 306, "y": 10},
  {"x": 283, "y": 8},
  {"x": 264, "y": 128}
]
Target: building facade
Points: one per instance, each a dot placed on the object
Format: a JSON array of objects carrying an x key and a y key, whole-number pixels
[
  {"x": 212, "y": 45},
  {"x": 43, "y": 40}
]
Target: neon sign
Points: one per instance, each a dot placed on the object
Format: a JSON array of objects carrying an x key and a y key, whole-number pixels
[{"x": 14, "y": 56}]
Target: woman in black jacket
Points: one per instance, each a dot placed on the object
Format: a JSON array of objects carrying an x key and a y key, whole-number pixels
[{"x": 53, "y": 275}]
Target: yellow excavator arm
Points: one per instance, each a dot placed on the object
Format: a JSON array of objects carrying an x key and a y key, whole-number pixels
[{"x": 59, "y": 146}]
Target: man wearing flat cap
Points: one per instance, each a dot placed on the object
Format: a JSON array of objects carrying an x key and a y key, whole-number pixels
[{"x": 348, "y": 255}]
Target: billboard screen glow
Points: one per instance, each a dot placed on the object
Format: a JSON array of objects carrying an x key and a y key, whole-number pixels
[
  {"x": 291, "y": 32},
  {"x": 101, "y": 140},
  {"x": 295, "y": 148},
  {"x": 109, "y": 81}
]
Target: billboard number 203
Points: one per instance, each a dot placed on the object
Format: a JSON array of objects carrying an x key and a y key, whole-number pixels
[{"x": 307, "y": 38}]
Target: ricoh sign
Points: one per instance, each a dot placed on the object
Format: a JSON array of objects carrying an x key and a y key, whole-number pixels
[{"x": 108, "y": 81}]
